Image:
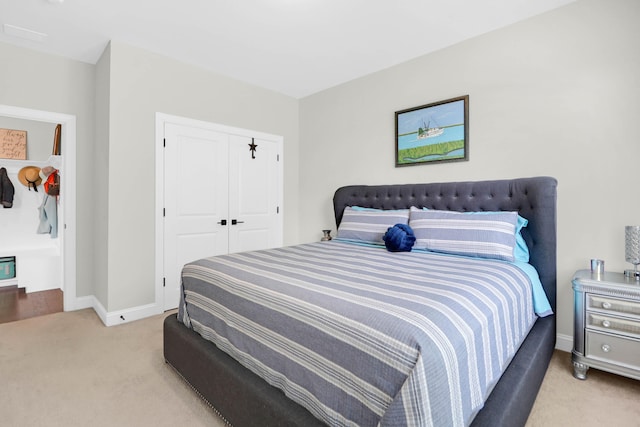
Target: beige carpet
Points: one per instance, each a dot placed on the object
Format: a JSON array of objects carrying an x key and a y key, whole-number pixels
[
  {"x": 603, "y": 399},
  {"x": 67, "y": 369}
]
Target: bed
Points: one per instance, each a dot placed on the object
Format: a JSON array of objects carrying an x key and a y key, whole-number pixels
[{"x": 243, "y": 398}]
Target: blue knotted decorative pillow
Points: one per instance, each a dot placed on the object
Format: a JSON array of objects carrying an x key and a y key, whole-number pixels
[{"x": 399, "y": 238}]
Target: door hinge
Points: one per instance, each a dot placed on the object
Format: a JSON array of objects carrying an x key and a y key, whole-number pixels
[
  {"x": 164, "y": 212},
  {"x": 277, "y": 209},
  {"x": 277, "y": 157},
  {"x": 164, "y": 282},
  {"x": 164, "y": 142}
]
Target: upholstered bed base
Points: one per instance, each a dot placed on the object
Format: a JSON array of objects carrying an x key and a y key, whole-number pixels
[{"x": 246, "y": 400}]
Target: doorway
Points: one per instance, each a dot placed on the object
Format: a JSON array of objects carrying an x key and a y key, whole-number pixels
[{"x": 67, "y": 200}]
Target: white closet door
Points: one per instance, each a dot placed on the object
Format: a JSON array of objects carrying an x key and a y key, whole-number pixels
[
  {"x": 253, "y": 194},
  {"x": 196, "y": 201}
]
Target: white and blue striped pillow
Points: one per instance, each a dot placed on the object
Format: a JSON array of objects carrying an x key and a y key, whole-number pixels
[
  {"x": 366, "y": 225},
  {"x": 491, "y": 235}
]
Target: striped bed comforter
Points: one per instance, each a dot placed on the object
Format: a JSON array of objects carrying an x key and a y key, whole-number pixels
[{"x": 362, "y": 336}]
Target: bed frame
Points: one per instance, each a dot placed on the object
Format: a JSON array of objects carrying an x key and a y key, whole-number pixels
[{"x": 244, "y": 399}]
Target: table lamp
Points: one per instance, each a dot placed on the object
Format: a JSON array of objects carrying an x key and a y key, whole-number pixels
[{"x": 632, "y": 250}]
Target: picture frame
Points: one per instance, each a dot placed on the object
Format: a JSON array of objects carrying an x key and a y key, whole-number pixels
[
  {"x": 433, "y": 133},
  {"x": 13, "y": 144}
]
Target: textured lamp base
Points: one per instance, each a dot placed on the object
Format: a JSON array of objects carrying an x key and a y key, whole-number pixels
[{"x": 632, "y": 274}]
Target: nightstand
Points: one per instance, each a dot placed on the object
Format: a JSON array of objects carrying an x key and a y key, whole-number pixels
[{"x": 606, "y": 331}]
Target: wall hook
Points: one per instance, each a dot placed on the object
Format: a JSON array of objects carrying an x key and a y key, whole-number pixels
[{"x": 252, "y": 147}]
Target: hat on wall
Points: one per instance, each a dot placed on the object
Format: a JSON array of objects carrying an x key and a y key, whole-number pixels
[
  {"x": 46, "y": 171},
  {"x": 29, "y": 176}
]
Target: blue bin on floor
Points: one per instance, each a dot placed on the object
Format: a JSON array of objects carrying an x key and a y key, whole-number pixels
[{"x": 7, "y": 267}]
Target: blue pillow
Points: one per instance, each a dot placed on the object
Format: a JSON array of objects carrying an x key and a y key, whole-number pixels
[
  {"x": 520, "y": 250},
  {"x": 489, "y": 235},
  {"x": 399, "y": 238}
]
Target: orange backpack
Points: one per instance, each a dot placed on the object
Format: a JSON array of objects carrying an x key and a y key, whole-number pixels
[{"x": 52, "y": 184}]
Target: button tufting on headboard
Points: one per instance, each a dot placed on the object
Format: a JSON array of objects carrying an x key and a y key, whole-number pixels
[{"x": 533, "y": 198}]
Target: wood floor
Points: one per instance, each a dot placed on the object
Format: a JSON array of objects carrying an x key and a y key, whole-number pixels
[{"x": 16, "y": 304}]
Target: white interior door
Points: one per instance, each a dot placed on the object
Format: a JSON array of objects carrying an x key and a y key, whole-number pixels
[
  {"x": 253, "y": 194},
  {"x": 196, "y": 201}
]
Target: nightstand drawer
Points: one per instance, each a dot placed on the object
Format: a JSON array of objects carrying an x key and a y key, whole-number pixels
[
  {"x": 609, "y": 348},
  {"x": 614, "y": 324},
  {"x": 613, "y": 305}
]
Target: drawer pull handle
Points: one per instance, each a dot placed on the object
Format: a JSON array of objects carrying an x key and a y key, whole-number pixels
[
  {"x": 606, "y": 305},
  {"x": 606, "y": 323},
  {"x": 606, "y": 348}
]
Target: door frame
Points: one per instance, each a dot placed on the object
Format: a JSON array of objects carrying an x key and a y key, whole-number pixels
[
  {"x": 161, "y": 120},
  {"x": 67, "y": 210}
]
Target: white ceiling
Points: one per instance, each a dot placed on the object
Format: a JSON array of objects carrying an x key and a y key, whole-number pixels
[{"x": 296, "y": 47}]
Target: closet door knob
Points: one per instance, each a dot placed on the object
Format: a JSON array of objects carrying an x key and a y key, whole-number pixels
[
  {"x": 223, "y": 222},
  {"x": 235, "y": 221}
]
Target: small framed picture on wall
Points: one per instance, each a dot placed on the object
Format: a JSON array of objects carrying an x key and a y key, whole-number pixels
[
  {"x": 13, "y": 144},
  {"x": 436, "y": 132}
]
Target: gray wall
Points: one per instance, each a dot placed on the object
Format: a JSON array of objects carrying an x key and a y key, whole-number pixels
[
  {"x": 554, "y": 95},
  {"x": 101, "y": 179},
  {"x": 51, "y": 83}
]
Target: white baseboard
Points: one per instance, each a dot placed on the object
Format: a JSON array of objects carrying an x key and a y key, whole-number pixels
[
  {"x": 115, "y": 317},
  {"x": 100, "y": 310},
  {"x": 8, "y": 282},
  {"x": 131, "y": 314},
  {"x": 564, "y": 342},
  {"x": 81, "y": 303}
]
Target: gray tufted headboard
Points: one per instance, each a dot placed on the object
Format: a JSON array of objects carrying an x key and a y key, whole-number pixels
[{"x": 534, "y": 198}]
